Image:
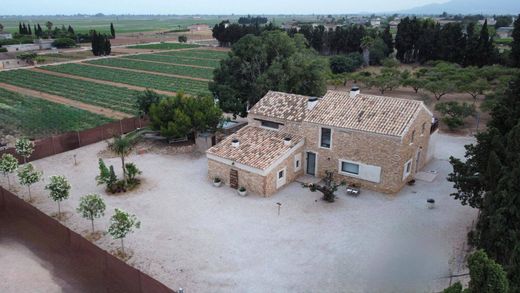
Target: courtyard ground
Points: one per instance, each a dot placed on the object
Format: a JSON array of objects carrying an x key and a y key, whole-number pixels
[{"x": 203, "y": 238}]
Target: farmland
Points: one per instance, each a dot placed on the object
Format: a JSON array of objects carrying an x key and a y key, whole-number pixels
[
  {"x": 115, "y": 98},
  {"x": 175, "y": 60},
  {"x": 156, "y": 67},
  {"x": 203, "y": 54},
  {"x": 145, "y": 80},
  {"x": 164, "y": 46},
  {"x": 35, "y": 117}
]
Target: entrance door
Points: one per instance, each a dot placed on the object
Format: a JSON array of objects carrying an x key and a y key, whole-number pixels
[
  {"x": 417, "y": 160},
  {"x": 311, "y": 164},
  {"x": 233, "y": 178}
]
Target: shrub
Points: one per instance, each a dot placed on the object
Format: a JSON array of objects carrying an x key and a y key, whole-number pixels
[
  {"x": 132, "y": 171},
  {"x": 106, "y": 176},
  {"x": 454, "y": 113},
  {"x": 345, "y": 63},
  {"x": 183, "y": 39},
  {"x": 64, "y": 43}
]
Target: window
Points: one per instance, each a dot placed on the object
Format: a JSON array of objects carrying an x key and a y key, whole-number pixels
[
  {"x": 407, "y": 169},
  {"x": 423, "y": 128},
  {"x": 413, "y": 137},
  {"x": 297, "y": 162},
  {"x": 280, "y": 174},
  {"x": 326, "y": 138},
  {"x": 350, "y": 168},
  {"x": 269, "y": 124}
]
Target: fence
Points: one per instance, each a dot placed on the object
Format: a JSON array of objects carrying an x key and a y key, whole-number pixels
[
  {"x": 72, "y": 140},
  {"x": 106, "y": 273}
]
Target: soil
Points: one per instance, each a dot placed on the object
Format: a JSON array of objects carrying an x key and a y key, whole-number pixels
[
  {"x": 61, "y": 100},
  {"x": 132, "y": 87}
]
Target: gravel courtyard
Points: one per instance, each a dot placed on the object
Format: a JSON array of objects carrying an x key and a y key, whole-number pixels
[{"x": 207, "y": 239}]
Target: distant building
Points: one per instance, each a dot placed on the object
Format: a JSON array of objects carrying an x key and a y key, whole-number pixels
[
  {"x": 12, "y": 63},
  {"x": 505, "y": 32},
  {"x": 394, "y": 23},
  {"x": 5, "y": 36},
  {"x": 198, "y": 27},
  {"x": 490, "y": 21},
  {"x": 375, "y": 22},
  {"x": 40, "y": 44}
]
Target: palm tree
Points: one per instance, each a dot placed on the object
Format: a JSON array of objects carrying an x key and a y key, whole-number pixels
[
  {"x": 366, "y": 43},
  {"x": 122, "y": 146}
]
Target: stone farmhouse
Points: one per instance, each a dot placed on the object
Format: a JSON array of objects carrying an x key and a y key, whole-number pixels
[{"x": 369, "y": 141}]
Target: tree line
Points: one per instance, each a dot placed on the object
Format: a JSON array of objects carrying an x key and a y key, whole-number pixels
[
  {"x": 252, "y": 20},
  {"x": 100, "y": 44},
  {"x": 228, "y": 33}
]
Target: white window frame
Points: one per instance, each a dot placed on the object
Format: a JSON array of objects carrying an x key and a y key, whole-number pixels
[
  {"x": 340, "y": 169},
  {"x": 407, "y": 173},
  {"x": 281, "y": 181},
  {"x": 297, "y": 162},
  {"x": 331, "y": 133}
]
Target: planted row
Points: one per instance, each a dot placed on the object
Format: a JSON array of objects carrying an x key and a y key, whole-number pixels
[
  {"x": 204, "y": 54},
  {"x": 164, "y": 46},
  {"x": 175, "y": 60}
]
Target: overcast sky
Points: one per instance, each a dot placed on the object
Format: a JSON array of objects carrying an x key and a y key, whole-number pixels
[{"x": 41, "y": 7}]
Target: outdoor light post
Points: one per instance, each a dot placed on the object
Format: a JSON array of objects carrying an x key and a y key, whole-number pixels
[
  {"x": 75, "y": 163},
  {"x": 279, "y": 206}
]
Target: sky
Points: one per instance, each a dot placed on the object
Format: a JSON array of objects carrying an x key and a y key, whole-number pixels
[{"x": 52, "y": 7}]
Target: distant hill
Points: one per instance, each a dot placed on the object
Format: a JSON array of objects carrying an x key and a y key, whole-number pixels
[{"x": 489, "y": 7}]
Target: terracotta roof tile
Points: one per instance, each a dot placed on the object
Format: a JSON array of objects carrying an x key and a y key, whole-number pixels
[
  {"x": 258, "y": 148},
  {"x": 282, "y": 106},
  {"x": 377, "y": 114}
]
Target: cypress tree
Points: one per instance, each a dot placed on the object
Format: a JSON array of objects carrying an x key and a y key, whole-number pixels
[
  {"x": 20, "y": 30},
  {"x": 108, "y": 47},
  {"x": 70, "y": 30},
  {"x": 29, "y": 31},
  {"x": 35, "y": 31},
  {"x": 485, "y": 46},
  {"x": 388, "y": 39},
  {"x": 515, "y": 50},
  {"x": 112, "y": 30},
  {"x": 40, "y": 31},
  {"x": 94, "y": 42}
]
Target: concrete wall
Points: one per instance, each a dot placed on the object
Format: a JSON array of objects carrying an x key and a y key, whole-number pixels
[
  {"x": 370, "y": 151},
  {"x": 12, "y": 63}
]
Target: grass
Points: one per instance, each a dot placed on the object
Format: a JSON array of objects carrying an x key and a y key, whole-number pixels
[
  {"x": 156, "y": 67},
  {"x": 33, "y": 117},
  {"x": 115, "y": 98},
  {"x": 203, "y": 54},
  {"x": 175, "y": 60},
  {"x": 164, "y": 46},
  {"x": 145, "y": 80}
]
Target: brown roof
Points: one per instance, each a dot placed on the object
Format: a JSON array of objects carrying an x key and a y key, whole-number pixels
[
  {"x": 258, "y": 148},
  {"x": 382, "y": 115},
  {"x": 282, "y": 106}
]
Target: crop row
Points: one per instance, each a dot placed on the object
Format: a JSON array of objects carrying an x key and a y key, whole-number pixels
[
  {"x": 152, "y": 81},
  {"x": 30, "y": 116},
  {"x": 164, "y": 46},
  {"x": 204, "y": 54},
  {"x": 156, "y": 67},
  {"x": 175, "y": 60},
  {"x": 115, "y": 98}
]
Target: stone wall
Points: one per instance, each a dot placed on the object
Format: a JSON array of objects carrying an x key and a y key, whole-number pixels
[
  {"x": 288, "y": 126},
  {"x": 386, "y": 152}
]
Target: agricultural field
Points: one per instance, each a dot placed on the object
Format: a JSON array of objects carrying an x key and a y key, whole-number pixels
[
  {"x": 203, "y": 54},
  {"x": 115, "y": 98},
  {"x": 164, "y": 46},
  {"x": 152, "y": 81},
  {"x": 156, "y": 67},
  {"x": 175, "y": 60},
  {"x": 33, "y": 117}
]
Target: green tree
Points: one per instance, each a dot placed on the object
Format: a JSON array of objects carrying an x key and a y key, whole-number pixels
[
  {"x": 132, "y": 171},
  {"x": 328, "y": 188},
  {"x": 515, "y": 46},
  {"x": 112, "y": 30},
  {"x": 59, "y": 190},
  {"x": 24, "y": 148},
  {"x": 64, "y": 43},
  {"x": 440, "y": 88},
  {"x": 91, "y": 206},
  {"x": 144, "y": 100},
  {"x": 106, "y": 176},
  {"x": 123, "y": 145},
  {"x": 486, "y": 275},
  {"x": 271, "y": 61},
  {"x": 182, "y": 39},
  {"x": 388, "y": 39},
  {"x": 8, "y": 164},
  {"x": 28, "y": 175},
  {"x": 454, "y": 113},
  {"x": 49, "y": 26},
  {"x": 121, "y": 224},
  {"x": 345, "y": 63}
]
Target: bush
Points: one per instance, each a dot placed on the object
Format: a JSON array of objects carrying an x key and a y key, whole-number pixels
[
  {"x": 454, "y": 113},
  {"x": 3, "y": 50},
  {"x": 345, "y": 63},
  {"x": 183, "y": 39},
  {"x": 64, "y": 43}
]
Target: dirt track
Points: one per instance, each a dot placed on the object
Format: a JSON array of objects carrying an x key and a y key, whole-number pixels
[
  {"x": 61, "y": 100},
  {"x": 132, "y": 87},
  {"x": 148, "y": 72}
]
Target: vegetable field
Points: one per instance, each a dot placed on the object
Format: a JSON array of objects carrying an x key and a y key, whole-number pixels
[
  {"x": 203, "y": 54},
  {"x": 35, "y": 117},
  {"x": 152, "y": 81},
  {"x": 164, "y": 46},
  {"x": 115, "y": 98},
  {"x": 175, "y": 60},
  {"x": 156, "y": 67}
]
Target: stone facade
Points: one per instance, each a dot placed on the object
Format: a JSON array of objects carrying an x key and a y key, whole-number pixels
[
  {"x": 285, "y": 125},
  {"x": 388, "y": 153}
]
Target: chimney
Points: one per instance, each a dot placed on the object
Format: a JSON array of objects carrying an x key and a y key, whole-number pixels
[
  {"x": 311, "y": 103},
  {"x": 287, "y": 141},
  {"x": 235, "y": 143},
  {"x": 354, "y": 91}
]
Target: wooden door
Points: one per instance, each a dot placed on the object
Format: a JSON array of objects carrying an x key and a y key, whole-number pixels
[{"x": 233, "y": 178}]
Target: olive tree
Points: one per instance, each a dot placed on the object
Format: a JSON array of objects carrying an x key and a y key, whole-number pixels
[
  {"x": 91, "y": 206},
  {"x": 28, "y": 175},
  {"x": 8, "y": 164},
  {"x": 59, "y": 190},
  {"x": 328, "y": 188},
  {"x": 121, "y": 224},
  {"x": 24, "y": 148}
]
